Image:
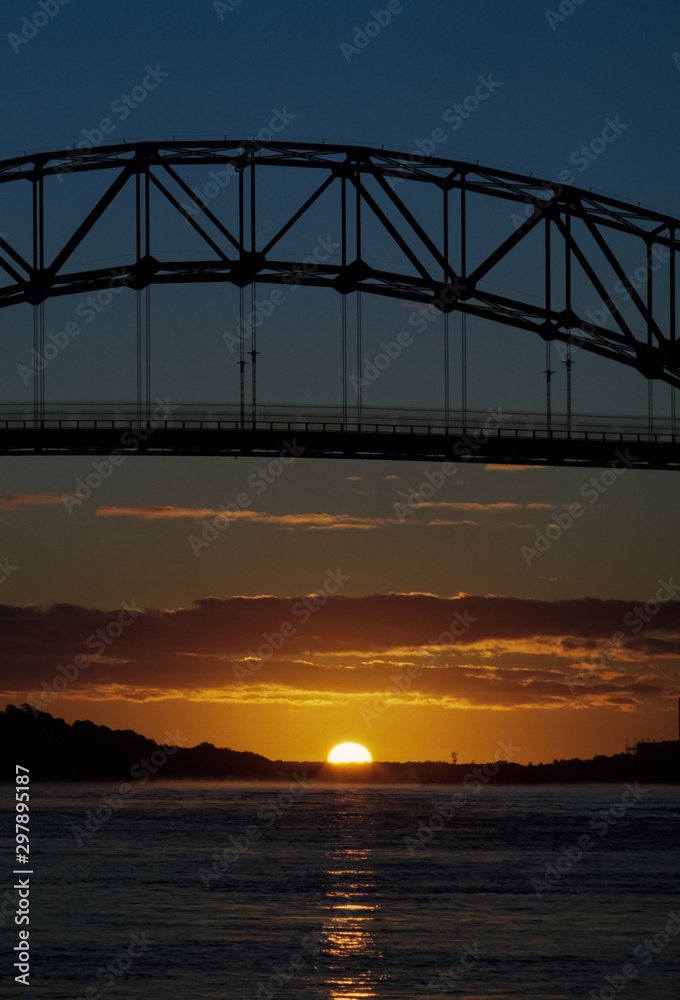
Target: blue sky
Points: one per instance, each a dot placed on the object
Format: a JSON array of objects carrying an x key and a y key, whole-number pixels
[
  {"x": 548, "y": 84},
  {"x": 559, "y": 80}
]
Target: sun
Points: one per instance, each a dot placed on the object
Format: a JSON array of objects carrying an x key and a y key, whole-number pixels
[{"x": 349, "y": 753}]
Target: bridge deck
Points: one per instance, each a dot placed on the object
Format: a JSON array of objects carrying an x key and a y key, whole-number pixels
[{"x": 333, "y": 439}]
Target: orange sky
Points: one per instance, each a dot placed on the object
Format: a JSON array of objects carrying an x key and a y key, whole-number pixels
[
  {"x": 197, "y": 543},
  {"x": 412, "y": 676},
  {"x": 431, "y": 631}
]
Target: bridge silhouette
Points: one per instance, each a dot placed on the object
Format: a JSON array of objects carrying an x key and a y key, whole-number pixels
[{"x": 452, "y": 227}]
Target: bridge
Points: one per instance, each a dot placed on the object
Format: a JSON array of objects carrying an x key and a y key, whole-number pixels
[{"x": 438, "y": 235}]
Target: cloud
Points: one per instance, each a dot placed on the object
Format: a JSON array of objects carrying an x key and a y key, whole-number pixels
[
  {"x": 440, "y": 522},
  {"x": 482, "y": 507},
  {"x": 307, "y": 522},
  {"x": 487, "y": 507},
  {"x": 17, "y": 501},
  {"x": 511, "y": 468},
  {"x": 505, "y": 652},
  {"x": 311, "y": 522}
]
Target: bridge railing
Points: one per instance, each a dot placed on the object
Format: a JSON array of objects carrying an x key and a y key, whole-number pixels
[{"x": 334, "y": 419}]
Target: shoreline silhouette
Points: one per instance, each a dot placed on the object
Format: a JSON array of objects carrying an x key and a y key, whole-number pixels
[{"x": 54, "y": 751}]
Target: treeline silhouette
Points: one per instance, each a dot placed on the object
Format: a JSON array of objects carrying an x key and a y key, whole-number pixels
[
  {"x": 53, "y": 750},
  {"x": 83, "y": 751}
]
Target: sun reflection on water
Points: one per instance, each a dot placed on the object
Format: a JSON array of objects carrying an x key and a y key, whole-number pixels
[{"x": 353, "y": 957}]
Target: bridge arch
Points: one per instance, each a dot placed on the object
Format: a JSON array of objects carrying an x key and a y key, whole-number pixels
[
  {"x": 444, "y": 270},
  {"x": 451, "y": 225}
]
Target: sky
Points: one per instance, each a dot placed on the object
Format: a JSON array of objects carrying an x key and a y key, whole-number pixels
[{"x": 438, "y": 624}]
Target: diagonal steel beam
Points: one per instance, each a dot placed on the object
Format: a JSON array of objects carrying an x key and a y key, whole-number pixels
[
  {"x": 16, "y": 257},
  {"x": 394, "y": 233},
  {"x": 415, "y": 225},
  {"x": 192, "y": 222},
  {"x": 85, "y": 226},
  {"x": 19, "y": 278},
  {"x": 300, "y": 212},
  {"x": 204, "y": 209},
  {"x": 555, "y": 317},
  {"x": 599, "y": 287},
  {"x": 623, "y": 277},
  {"x": 505, "y": 247}
]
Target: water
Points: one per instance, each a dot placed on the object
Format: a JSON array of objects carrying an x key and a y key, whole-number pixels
[{"x": 319, "y": 896}]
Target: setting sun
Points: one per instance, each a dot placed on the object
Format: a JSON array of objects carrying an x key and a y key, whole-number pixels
[{"x": 349, "y": 753}]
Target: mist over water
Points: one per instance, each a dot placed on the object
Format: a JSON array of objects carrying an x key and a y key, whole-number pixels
[{"x": 353, "y": 892}]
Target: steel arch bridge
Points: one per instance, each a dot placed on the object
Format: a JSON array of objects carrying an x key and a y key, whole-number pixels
[{"x": 577, "y": 243}]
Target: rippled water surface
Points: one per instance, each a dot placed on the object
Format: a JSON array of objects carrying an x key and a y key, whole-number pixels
[{"x": 351, "y": 892}]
